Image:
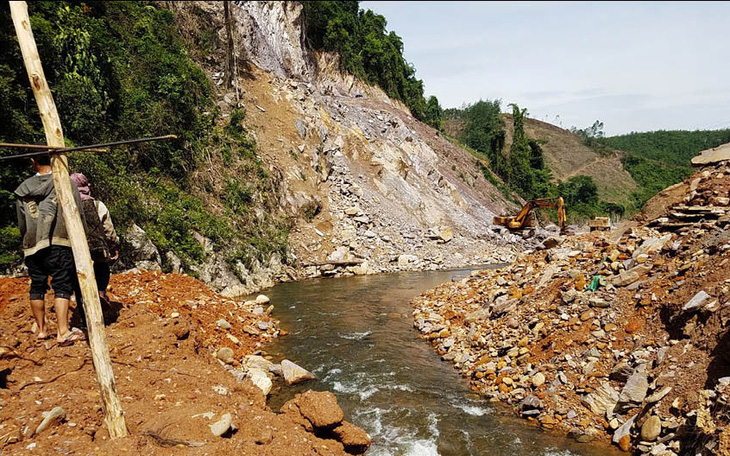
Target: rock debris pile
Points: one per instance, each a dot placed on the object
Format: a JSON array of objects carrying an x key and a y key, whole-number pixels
[{"x": 620, "y": 335}]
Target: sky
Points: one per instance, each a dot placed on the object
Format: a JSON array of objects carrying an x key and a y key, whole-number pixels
[{"x": 635, "y": 66}]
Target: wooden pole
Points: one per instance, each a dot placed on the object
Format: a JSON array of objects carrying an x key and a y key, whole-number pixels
[{"x": 54, "y": 136}]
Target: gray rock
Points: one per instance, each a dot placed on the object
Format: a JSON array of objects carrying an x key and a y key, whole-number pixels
[
  {"x": 599, "y": 303},
  {"x": 659, "y": 395},
  {"x": 636, "y": 387},
  {"x": 621, "y": 372},
  {"x": 651, "y": 245},
  {"x": 138, "y": 249},
  {"x": 531, "y": 402},
  {"x": 623, "y": 430},
  {"x": 256, "y": 362},
  {"x": 301, "y": 128},
  {"x": 174, "y": 262},
  {"x": 295, "y": 374},
  {"x": 714, "y": 155},
  {"x": 223, "y": 324},
  {"x": 221, "y": 426},
  {"x": 602, "y": 401},
  {"x": 651, "y": 429},
  {"x": 696, "y": 302},
  {"x": 261, "y": 380},
  {"x": 630, "y": 276},
  {"x": 52, "y": 418},
  {"x": 503, "y": 305}
]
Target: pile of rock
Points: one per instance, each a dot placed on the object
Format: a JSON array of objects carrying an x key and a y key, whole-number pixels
[{"x": 604, "y": 335}]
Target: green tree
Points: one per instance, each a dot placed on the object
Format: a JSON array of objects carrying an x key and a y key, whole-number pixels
[
  {"x": 519, "y": 169},
  {"x": 579, "y": 189},
  {"x": 367, "y": 50},
  {"x": 484, "y": 132},
  {"x": 434, "y": 112}
]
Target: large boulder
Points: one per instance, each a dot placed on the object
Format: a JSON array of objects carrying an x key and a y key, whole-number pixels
[
  {"x": 261, "y": 380},
  {"x": 320, "y": 409},
  {"x": 636, "y": 388},
  {"x": 711, "y": 156},
  {"x": 354, "y": 439}
]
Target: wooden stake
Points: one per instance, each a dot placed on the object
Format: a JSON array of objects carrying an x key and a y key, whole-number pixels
[{"x": 114, "y": 417}]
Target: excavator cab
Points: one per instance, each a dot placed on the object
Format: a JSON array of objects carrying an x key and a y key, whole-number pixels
[{"x": 525, "y": 218}]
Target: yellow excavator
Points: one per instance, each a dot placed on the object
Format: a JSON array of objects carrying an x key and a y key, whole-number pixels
[{"x": 525, "y": 218}]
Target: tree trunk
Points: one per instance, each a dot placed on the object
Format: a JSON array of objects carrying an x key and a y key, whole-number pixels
[{"x": 230, "y": 73}]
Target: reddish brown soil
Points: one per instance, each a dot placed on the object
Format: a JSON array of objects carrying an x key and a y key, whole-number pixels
[{"x": 165, "y": 376}]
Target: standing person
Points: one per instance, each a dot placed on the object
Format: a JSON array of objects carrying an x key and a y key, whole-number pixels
[
  {"x": 47, "y": 249},
  {"x": 101, "y": 237}
]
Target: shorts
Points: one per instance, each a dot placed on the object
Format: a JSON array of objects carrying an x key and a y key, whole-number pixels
[{"x": 56, "y": 261}]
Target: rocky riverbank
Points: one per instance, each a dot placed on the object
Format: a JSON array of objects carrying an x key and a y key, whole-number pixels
[
  {"x": 620, "y": 335},
  {"x": 190, "y": 373}
]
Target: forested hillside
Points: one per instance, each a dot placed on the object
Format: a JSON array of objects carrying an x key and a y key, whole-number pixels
[
  {"x": 627, "y": 170},
  {"x": 539, "y": 160},
  {"x": 659, "y": 159},
  {"x": 120, "y": 70}
]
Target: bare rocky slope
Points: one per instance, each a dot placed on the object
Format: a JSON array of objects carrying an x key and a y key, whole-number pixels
[
  {"x": 567, "y": 156},
  {"x": 367, "y": 187}
]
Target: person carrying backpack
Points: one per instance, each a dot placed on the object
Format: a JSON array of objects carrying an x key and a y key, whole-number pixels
[
  {"x": 47, "y": 249},
  {"x": 100, "y": 234}
]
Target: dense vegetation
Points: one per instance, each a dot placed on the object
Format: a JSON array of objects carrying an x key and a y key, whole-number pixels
[
  {"x": 659, "y": 159},
  {"x": 119, "y": 70},
  {"x": 368, "y": 51}
]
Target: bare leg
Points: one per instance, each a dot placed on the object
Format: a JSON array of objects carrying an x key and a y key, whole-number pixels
[
  {"x": 38, "y": 306},
  {"x": 61, "y": 306}
]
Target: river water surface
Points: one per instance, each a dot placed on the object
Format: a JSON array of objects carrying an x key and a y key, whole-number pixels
[{"x": 356, "y": 334}]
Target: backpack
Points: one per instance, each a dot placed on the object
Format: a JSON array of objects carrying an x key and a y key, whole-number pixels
[{"x": 95, "y": 235}]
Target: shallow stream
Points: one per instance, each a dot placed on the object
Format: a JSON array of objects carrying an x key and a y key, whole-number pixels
[{"x": 356, "y": 334}]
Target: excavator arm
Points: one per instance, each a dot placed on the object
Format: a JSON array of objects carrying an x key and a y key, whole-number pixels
[{"x": 523, "y": 219}]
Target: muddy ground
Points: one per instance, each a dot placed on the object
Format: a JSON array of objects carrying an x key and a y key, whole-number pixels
[{"x": 163, "y": 346}]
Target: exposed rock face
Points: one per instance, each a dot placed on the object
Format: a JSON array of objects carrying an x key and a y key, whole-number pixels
[
  {"x": 365, "y": 182},
  {"x": 139, "y": 250},
  {"x": 273, "y": 38},
  {"x": 319, "y": 408}
]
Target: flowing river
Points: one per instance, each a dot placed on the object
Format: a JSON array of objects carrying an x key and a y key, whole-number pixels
[{"x": 356, "y": 334}]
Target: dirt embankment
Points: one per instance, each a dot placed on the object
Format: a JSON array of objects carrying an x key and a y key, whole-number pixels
[
  {"x": 620, "y": 336},
  {"x": 165, "y": 343}
]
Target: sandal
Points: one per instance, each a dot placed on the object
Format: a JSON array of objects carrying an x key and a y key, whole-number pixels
[{"x": 75, "y": 335}]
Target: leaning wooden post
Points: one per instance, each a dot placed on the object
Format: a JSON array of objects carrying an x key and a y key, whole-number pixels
[{"x": 54, "y": 137}]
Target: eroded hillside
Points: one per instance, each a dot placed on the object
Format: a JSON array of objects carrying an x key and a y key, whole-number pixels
[{"x": 367, "y": 187}]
